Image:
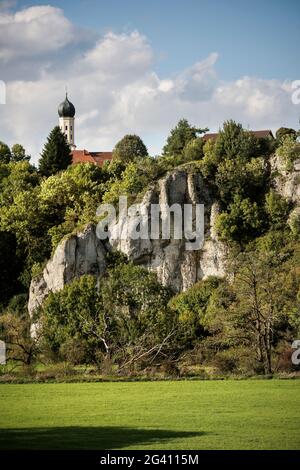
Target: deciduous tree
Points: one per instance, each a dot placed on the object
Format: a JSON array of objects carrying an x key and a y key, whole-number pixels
[
  {"x": 5, "y": 153},
  {"x": 129, "y": 148}
]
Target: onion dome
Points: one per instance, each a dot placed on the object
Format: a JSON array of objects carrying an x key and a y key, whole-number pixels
[{"x": 66, "y": 108}]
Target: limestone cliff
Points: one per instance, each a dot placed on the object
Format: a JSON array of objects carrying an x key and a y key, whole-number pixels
[
  {"x": 287, "y": 183},
  {"x": 78, "y": 254},
  {"x": 175, "y": 266}
]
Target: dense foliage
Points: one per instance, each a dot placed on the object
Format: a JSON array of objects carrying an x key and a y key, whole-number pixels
[
  {"x": 56, "y": 154},
  {"x": 130, "y": 148},
  {"x": 78, "y": 322},
  {"x": 128, "y": 321},
  {"x": 180, "y": 138}
]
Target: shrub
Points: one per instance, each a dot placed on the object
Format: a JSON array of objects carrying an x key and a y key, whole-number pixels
[{"x": 289, "y": 151}]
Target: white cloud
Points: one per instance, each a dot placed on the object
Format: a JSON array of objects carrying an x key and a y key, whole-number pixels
[
  {"x": 115, "y": 54},
  {"x": 33, "y": 31},
  {"x": 259, "y": 101},
  {"x": 198, "y": 82},
  {"x": 116, "y": 91}
]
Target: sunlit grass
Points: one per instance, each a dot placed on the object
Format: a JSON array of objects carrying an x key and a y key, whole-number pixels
[{"x": 253, "y": 414}]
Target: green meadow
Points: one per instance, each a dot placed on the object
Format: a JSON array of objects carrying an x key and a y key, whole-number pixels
[{"x": 231, "y": 414}]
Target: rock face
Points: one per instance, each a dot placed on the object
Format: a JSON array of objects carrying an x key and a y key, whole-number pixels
[
  {"x": 175, "y": 265},
  {"x": 287, "y": 183},
  {"x": 77, "y": 255}
]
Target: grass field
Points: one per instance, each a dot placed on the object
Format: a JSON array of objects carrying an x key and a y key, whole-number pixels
[{"x": 253, "y": 414}]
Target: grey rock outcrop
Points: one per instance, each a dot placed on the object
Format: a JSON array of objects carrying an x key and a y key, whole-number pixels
[
  {"x": 78, "y": 254},
  {"x": 287, "y": 183},
  {"x": 212, "y": 261},
  {"x": 175, "y": 266}
]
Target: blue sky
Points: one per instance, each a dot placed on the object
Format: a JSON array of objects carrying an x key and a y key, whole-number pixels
[
  {"x": 140, "y": 66},
  {"x": 254, "y": 37}
]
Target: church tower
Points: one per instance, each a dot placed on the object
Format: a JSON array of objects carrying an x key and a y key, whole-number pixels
[{"x": 66, "y": 112}]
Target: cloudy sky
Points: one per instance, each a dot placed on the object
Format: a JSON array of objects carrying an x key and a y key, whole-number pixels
[{"x": 138, "y": 66}]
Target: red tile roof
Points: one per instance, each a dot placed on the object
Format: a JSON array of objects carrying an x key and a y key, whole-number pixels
[
  {"x": 259, "y": 134},
  {"x": 263, "y": 134},
  {"x": 210, "y": 135},
  {"x": 84, "y": 156}
]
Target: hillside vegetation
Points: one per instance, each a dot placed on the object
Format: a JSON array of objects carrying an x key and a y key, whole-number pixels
[{"x": 127, "y": 323}]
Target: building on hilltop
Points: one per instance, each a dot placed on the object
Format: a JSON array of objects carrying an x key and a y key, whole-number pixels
[
  {"x": 66, "y": 112},
  {"x": 264, "y": 134},
  {"x": 84, "y": 156}
]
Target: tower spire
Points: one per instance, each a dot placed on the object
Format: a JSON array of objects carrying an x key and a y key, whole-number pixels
[{"x": 66, "y": 112}]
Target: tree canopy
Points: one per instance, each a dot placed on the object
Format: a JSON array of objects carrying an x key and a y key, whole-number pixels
[
  {"x": 129, "y": 148},
  {"x": 180, "y": 136},
  {"x": 5, "y": 153},
  {"x": 124, "y": 317},
  {"x": 284, "y": 131},
  {"x": 18, "y": 153}
]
